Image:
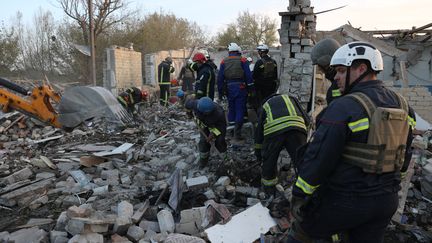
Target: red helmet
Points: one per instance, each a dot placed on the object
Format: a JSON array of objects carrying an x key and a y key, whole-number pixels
[
  {"x": 144, "y": 94},
  {"x": 199, "y": 57}
]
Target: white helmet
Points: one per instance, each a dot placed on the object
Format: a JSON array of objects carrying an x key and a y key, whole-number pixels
[
  {"x": 205, "y": 52},
  {"x": 358, "y": 50},
  {"x": 262, "y": 47},
  {"x": 233, "y": 47}
]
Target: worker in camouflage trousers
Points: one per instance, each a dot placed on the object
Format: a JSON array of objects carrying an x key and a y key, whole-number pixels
[
  {"x": 281, "y": 124},
  {"x": 211, "y": 122},
  {"x": 349, "y": 177}
]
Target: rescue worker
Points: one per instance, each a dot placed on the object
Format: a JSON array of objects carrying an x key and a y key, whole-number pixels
[
  {"x": 205, "y": 82},
  {"x": 165, "y": 68},
  {"x": 235, "y": 82},
  {"x": 211, "y": 121},
  {"x": 281, "y": 124},
  {"x": 187, "y": 77},
  {"x": 321, "y": 55},
  {"x": 348, "y": 179},
  {"x": 130, "y": 97},
  {"x": 265, "y": 74}
]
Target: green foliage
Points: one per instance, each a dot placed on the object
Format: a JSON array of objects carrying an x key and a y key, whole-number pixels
[{"x": 249, "y": 30}]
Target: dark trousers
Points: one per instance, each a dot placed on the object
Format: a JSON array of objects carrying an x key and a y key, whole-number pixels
[
  {"x": 272, "y": 147},
  {"x": 264, "y": 92},
  {"x": 361, "y": 219},
  {"x": 164, "y": 94},
  {"x": 187, "y": 85},
  {"x": 220, "y": 143}
]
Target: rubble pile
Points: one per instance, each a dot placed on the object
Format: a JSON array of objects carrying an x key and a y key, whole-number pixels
[{"x": 143, "y": 184}]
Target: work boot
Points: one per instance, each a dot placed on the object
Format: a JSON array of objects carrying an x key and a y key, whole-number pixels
[
  {"x": 237, "y": 132},
  {"x": 203, "y": 162}
]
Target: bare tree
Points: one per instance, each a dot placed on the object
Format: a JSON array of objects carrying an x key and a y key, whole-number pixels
[
  {"x": 107, "y": 14},
  {"x": 249, "y": 30}
]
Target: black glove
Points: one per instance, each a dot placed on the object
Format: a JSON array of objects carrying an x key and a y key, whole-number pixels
[
  {"x": 297, "y": 204},
  {"x": 258, "y": 154},
  {"x": 269, "y": 190}
]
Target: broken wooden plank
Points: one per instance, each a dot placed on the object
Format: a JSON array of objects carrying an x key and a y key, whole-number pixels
[{"x": 47, "y": 139}]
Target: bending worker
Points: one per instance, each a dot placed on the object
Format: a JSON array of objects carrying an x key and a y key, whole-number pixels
[
  {"x": 281, "y": 124},
  {"x": 350, "y": 174},
  {"x": 130, "y": 97},
  {"x": 211, "y": 121}
]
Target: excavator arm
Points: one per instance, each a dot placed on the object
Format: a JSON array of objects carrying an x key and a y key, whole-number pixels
[{"x": 37, "y": 103}]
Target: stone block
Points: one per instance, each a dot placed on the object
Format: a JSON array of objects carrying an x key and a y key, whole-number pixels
[
  {"x": 90, "y": 237},
  {"x": 61, "y": 222},
  {"x": 82, "y": 211},
  {"x": 302, "y": 56},
  {"x": 136, "y": 217},
  {"x": 135, "y": 233},
  {"x": 4, "y": 236},
  {"x": 223, "y": 181},
  {"x": 149, "y": 225},
  {"x": 74, "y": 227},
  {"x": 121, "y": 225},
  {"x": 251, "y": 191},
  {"x": 55, "y": 234},
  {"x": 29, "y": 235},
  {"x": 96, "y": 228},
  {"x": 149, "y": 235},
  {"x": 115, "y": 238},
  {"x": 187, "y": 228},
  {"x": 125, "y": 209},
  {"x": 295, "y": 40},
  {"x": 197, "y": 182},
  {"x": 295, "y": 48},
  {"x": 17, "y": 176},
  {"x": 166, "y": 221}
]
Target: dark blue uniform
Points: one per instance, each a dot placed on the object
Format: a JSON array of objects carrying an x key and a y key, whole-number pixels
[
  {"x": 164, "y": 70},
  {"x": 236, "y": 85},
  {"x": 342, "y": 197},
  {"x": 205, "y": 82}
]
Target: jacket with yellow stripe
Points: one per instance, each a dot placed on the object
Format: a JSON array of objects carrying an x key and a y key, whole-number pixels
[
  {"x": 279, "y": 114},
  {"x": 164, "y": 70},
  {"x": 347, "y": 121},
  {"x": 215, "y": 121},
  {"x": 205, "y": 82}
]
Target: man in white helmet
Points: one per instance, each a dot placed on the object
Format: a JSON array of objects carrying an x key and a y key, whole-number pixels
[
  {"x": 348, "y": 179},
  {"x": 265, "y": 74},
  {"x": 235, "y": 82}
]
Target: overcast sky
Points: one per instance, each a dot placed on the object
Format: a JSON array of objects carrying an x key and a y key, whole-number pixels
[{"x": 215, "y": 15}]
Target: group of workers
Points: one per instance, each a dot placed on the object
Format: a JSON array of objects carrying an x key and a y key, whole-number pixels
[{"x": 349, "y": 171}]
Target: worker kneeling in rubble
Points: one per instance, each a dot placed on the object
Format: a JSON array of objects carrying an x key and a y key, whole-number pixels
[
  {"x": 348, "y": 180},
  {"x": 211, "y": 121},
  {"x": 130, "y": 97},
  {"x": 281, "y": 124}
]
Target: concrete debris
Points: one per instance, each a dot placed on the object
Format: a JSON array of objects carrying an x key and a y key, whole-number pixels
[{"x": 144, "y": 184}]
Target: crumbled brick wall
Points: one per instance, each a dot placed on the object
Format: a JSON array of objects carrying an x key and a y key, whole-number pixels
[
  {"x": 420, "y": 99},
  {"x": 298, "y": 27},
  {"x": 122, "y": 69}
]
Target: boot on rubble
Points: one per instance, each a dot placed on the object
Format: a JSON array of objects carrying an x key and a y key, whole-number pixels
[
  {"x": 203, "y": 162},
  {"x": 237, "y": 132}
]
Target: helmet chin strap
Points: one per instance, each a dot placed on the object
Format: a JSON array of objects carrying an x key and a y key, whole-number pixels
[{"x": 349, "y": 86}]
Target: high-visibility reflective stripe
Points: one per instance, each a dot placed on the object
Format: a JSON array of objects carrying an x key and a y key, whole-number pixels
[
  {"x": 200, "y": 92},
  {"x": 282, "y": 126},
  {"x": 289, "y": 105},
  {"x": 336, "y": 93},
  {"x": 215, "y": 131},
  {"x": 335, "y": 238},
  {"x": 267, "y": 109},
  {"x": 204, "y": 155},
  {"x": 360, "y": 125},
  {"x": 122, "y": 100},
  {"x": 306, "y": 188},
  {"x": 271, "y": 182},
  {"x": 131, "y": 99},
  {"x": 258, "y": 146},
  {"x": 283, "y": 119},
  {"x": 412, "y": 122},
  {"x": 164, "y": 83}
]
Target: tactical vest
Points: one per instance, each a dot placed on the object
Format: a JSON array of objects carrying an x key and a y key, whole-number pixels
[
  {"x": 189, "y": 74},
  {"x": 281, "y": 115},
  {"x": 233, "y": 68},
  {"x": 268, "y": 69},
  {"x": 388, "y": 131}
]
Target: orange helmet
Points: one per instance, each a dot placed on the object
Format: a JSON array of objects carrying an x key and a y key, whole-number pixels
[
  {"x": 174, "y": 82},
  {"x": 199, "y": 57}
]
